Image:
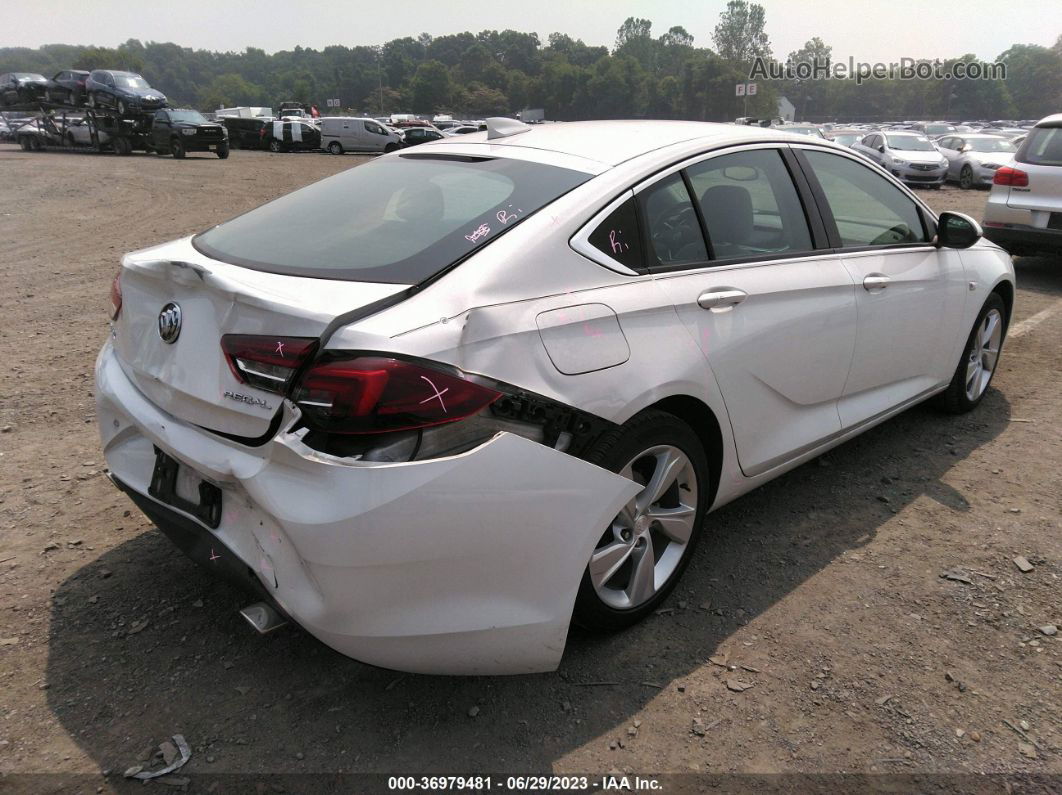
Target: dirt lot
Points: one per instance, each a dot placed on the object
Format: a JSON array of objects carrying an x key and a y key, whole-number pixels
[{"x": 822, "y": 590}]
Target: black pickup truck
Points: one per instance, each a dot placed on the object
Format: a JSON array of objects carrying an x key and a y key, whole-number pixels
[{"x": 177, "y": 131}]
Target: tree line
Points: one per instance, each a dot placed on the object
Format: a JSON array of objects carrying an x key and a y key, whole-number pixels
[{"x": 500, "y": 72}]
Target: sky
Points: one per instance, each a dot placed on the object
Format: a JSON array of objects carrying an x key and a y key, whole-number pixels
[{"x": 867, "y": 30}]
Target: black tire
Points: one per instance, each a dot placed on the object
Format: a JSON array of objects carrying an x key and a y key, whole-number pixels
[
  {"x": 177, "y": 149},
  {"x": 954, "y": 399},
  {"x": 120, "y": 107},
  {"x": 223, "y": 152},
  {"x": 966, "y": 180},
  {"x": 123, "y": 147},
  {"x": 335, "y": 148},
  {"x": 24, "y": 142},
  {"x": 390, "y": 147},
  {"x": 614, "y": 451},
  {"x": 275, "y": 145}
]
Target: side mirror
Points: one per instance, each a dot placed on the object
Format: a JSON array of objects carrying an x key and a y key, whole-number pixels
[
  {"x": 957, "y": 230},
  {"x": 966, "y": 148},
  {"x": 882, "y": 148}
]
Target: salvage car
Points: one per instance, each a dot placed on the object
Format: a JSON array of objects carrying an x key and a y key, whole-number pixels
[
  {"x": 974, "y": 158},
  {"x": 126, "y": 92},
  {"x": 437, "y": 407},
  {"x": 412, "y": 136},
  {"x": 290, "y": 135},
  {"x": 1024, "y": 209},
  {"x": 18, "y": 88},
  {"x": 67, "y": 87}
]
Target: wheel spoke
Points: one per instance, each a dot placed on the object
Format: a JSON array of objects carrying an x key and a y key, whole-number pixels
[
  {"x": 668, "y": 466},
  {"x": 972, "y": 369},
  {"x": 991, "y": 322},
  {"x": 675, "y": 523},
  {"x": 989, "y": 358},
  {"x": 643, "y": 578},
  {"x": 605, "y": 562}
]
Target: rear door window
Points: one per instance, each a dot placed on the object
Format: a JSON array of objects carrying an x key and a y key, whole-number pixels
[
  {"x": 750, "y": 205},
  {"x": 674, "y": 231},
  {"x": 397, "y": 220}
]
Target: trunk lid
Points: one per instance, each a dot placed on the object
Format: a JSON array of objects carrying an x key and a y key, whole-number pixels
[
  {"x": 1040, "y": 156},
  {"x": 190, "y": 378}
]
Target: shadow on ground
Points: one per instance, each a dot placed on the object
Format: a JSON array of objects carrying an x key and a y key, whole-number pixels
[{"x": 256, "y": 704}]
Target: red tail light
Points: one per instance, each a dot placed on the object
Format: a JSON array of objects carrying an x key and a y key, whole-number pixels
[
  {"x": 374, "y": 394},
  {"x": 116, "y": 295},
  {"x": 265, "y": 362},
  {"x": 1014, "y": 177}
]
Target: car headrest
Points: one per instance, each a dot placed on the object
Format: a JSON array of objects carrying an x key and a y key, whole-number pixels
[{"x": 727, "y": 213}]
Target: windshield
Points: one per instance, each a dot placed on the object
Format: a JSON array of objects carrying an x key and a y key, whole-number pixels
[
  {"x": 397, "y": 220},
  {"x": 130, "y": 81},
  {"x": 193, "y": 116},
  {"x": 909, "y": 143},
  {"x": 991, "y": 145}
]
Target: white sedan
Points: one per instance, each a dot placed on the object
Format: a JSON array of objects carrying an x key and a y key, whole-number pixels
[{"x": 436, "y": 407}]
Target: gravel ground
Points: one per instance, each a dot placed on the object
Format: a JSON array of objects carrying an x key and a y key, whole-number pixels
[{"x": 822, "y": 592}]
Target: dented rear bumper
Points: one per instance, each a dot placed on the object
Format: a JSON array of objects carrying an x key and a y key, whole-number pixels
[{"x": 467, "y": 564}]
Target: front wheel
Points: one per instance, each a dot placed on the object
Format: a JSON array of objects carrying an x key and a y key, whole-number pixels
[
  {"x": 390, "y": 147},
  {"x": 966, "y": 179},
  {"x": 335, "y": 148},
  {"x": 223, "y": 152},
  {"x": 275, "y": 145},
  {"x": 642, "y": 553},
  {"x": 177, "y": 149},
  {"x": 980, "y": 360},
  {"x": 121, "y": 108}
]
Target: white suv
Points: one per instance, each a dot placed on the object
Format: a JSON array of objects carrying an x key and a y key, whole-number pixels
[{"x": 1024, "y": 210}]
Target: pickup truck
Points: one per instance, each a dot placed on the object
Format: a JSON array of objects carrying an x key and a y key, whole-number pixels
[{"x": 177, "y": 131}]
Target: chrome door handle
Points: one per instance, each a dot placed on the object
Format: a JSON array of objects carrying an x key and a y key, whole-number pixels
[
  {"x": 721, "y": 298},
  {"x": 876, "y": 281}
]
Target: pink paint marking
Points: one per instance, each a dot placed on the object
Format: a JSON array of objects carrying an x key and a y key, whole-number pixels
[
  {"x": 280, "y": 348},
  {"x": 618, "y": 246},
  {"x": 481, "y": 231},
  {"x": 505, "y": 217},
  {"x": 437, "y": 394},
  {"x": 213, "y": 555}
]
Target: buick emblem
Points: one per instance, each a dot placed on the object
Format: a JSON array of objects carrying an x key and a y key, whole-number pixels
[{"x": 170, "y": 323}]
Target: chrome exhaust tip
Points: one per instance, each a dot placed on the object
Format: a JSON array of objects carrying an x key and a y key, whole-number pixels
[{"x": 263, "y": 617}]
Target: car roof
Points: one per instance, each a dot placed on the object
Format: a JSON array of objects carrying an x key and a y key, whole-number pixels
[
  {"x": 614, "y": 142},
  {"x": 1054, "y": 120}
]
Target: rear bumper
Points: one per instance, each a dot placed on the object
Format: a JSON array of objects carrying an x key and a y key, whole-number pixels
[
  {"x": 1024, "y": 238},
  {"x": 462, "y": 565}
]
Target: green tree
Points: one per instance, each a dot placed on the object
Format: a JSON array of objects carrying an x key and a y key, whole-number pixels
[
  {"x": 430, "y": 87},
  {"x": 740, "y": 34}
]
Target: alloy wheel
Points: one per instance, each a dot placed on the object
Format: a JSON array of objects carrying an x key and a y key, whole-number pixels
[
  {"x": 983, "y": 354},
  {"x": 646, "y": 541}
]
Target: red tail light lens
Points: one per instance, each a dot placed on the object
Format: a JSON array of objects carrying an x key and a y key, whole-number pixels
[
  {"x": 116, "y": 295},
  {"x": 374, "y": 394},
  {"x": 266, "y": 362},
  {"x": 1014, "y": 177}
]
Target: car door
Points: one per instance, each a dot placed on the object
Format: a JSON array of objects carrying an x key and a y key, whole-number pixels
[
  {"x": 910, "y": 293},
  {"x": 772, "y": 311}
]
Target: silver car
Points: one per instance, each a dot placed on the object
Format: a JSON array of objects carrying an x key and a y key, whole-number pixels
[
  {"x": 973, "y": 159},
  {"x": 436, "y": 407},
  {"x": 908, "y": 156},
  {"x": 1024, "y": 209}
]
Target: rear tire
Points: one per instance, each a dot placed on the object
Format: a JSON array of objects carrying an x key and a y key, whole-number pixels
[
  {"x": 637, "y": 544},
  {"x": 275, "y": 146},
  {"x": 120, "y": 107},
  {"x": 335, "y": 148},
  {"x": 966, "y": 180},
  {"x": 979, "y": 361},
  {"x": 390, "y": 147}
]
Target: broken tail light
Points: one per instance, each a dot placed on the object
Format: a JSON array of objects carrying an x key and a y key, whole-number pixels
[
  {"x": 375, "y": 394},
  {"x": 266, "y": 362}
]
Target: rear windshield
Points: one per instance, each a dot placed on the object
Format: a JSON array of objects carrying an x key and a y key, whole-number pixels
[
  {"x": 1043, "y": 147},
  {"x": 399, "y": 219}
]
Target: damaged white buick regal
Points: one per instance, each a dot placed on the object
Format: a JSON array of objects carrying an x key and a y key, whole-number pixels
[{"x": 438, "y": 407}]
